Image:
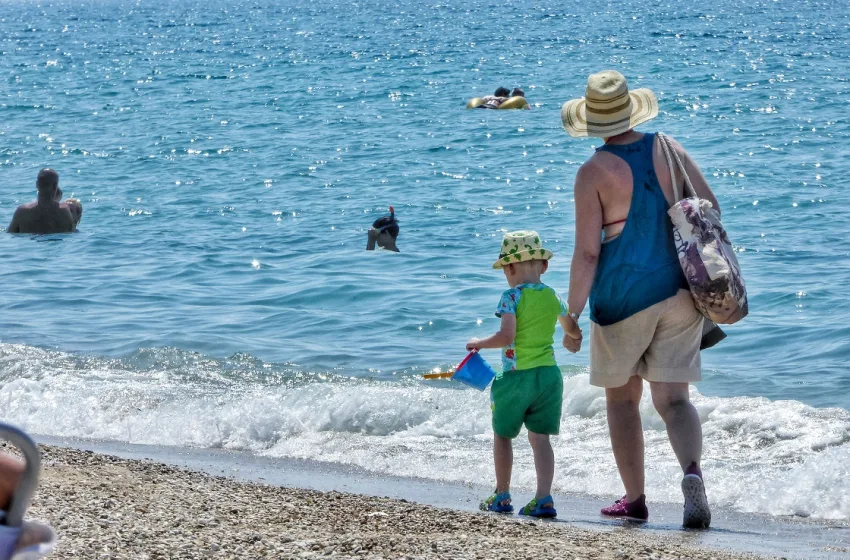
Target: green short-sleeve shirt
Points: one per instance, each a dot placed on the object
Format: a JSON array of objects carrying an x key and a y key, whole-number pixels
[{"x": 537, "y": 308}]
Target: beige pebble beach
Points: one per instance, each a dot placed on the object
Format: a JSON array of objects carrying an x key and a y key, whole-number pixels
[{"x": 107, "y": 507}]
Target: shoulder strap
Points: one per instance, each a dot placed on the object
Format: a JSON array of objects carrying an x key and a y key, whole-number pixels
[{"x": 668, "y": 150}]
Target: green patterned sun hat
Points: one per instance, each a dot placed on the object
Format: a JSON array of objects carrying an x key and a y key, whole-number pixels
[{"x": 521, "y": 246}]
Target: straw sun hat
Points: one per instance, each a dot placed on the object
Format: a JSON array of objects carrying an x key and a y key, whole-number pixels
[
  {"x": 521, "y": 246},
  {"x": 608, "y": 107}
]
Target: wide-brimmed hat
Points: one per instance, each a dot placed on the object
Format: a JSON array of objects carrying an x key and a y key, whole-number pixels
[
  {"x": 521, "y": 246},
  {"x": 608, "y": 107}
]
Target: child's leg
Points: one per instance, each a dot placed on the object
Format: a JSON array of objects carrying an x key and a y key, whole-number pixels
[
  {"x": 544, "y": 463},
  {"x": 503, "y": 457}
]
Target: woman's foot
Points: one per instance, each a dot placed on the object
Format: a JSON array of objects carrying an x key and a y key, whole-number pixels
[
  {"x": 636, "y": 510},
  {"x": 697, "y": 515}
]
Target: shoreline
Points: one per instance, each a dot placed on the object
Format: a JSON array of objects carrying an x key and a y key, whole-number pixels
[{"x": 107, "y": 506}]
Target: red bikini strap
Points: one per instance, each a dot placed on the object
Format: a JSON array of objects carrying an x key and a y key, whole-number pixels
[{"x": 614, "y": 223}]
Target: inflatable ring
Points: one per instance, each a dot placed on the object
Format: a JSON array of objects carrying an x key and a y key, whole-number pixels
[{"x": 516, "y": 102}]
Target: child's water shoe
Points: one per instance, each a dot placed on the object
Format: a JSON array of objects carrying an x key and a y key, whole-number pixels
[
  {"x": 540, "y": 507},
  {"x": 500, "y": 502}
]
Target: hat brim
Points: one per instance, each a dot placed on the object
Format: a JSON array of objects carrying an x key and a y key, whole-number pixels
[
  {"x": 574, "y": 116},
  {"x": 523, "y": 256}
]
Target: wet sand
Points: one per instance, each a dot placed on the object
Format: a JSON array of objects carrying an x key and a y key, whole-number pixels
[{"x": 103, "y": 506}]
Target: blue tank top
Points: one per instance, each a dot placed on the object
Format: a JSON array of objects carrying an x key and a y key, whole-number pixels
[{"x": 638, "y": 268}]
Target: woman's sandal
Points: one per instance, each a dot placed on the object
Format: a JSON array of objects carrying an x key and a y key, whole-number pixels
[
  {"x": 543, "y": 507},
  {"x": 499, "y": 502}
]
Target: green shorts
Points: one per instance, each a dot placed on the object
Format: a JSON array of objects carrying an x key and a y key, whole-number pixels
[{"x": 532, "y": 397}]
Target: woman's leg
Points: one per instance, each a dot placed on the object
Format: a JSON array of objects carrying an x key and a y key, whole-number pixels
[
  {"x": 544, "y": 462},
  {"x": 685, "y": 433},
  {"x": 626, "y": 431},
  {"x": 672, "y": 402}
]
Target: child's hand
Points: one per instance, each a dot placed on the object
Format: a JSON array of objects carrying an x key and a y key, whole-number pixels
[
  {"x": 572, "y": 336},
  {"x": 572, "y": 344},
  {"x": 473, "y": 344}
]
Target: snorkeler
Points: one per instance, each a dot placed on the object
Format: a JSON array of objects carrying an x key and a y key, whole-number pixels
[{"x": 384, "y": 232}]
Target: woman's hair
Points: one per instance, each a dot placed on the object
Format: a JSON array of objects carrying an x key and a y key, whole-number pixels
[
  {"x": 502, "y": 92},
  {"x": 517, "y": 93},
  {"x": 388, "y": 224}
]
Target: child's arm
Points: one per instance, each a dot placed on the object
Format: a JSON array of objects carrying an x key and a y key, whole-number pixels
[{"x": 504, "y": 337}]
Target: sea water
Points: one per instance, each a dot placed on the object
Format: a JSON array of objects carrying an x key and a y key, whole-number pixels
[{"x": 230, "y": 157}]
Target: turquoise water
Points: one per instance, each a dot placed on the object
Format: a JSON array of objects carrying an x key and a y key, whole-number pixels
[{"x": 230, "y": 157}]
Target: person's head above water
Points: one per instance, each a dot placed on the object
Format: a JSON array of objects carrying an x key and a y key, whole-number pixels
[
  {"x": 47, "y": 183},
  {"x": 517, "y": 93},
  {"x": 384, "y": 232},
  {"x": 502, "y": 92},
  {"x": 76, "y": 208},
  {"x": 73, "y": 204}
]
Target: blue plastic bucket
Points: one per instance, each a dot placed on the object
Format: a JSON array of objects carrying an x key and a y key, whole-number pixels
[{"x": 475, "y": 372}]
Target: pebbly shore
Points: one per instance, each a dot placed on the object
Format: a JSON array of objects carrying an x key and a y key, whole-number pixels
[{"x": 108, "y": 507}]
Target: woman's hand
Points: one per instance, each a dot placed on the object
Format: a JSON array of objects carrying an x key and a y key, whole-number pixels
[
  {"x": 572, "y": 335},
  {"x": 473, "y": 344}
]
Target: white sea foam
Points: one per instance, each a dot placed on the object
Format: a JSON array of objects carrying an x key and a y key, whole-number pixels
[{"x": 776, "y": 457}]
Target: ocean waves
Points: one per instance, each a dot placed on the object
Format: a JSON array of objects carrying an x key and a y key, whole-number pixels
[{"x": 776, "y": 457}]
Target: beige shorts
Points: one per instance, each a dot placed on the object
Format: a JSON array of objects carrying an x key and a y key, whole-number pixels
[{"x": 660, "y": 343}]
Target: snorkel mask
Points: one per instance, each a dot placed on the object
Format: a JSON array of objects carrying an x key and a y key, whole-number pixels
[{"x": 390, "y": 224}]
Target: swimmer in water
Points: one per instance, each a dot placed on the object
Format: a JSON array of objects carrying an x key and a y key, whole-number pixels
[
  {"x": 45, "y": 215},
  {"x": 383, "y": 233}
]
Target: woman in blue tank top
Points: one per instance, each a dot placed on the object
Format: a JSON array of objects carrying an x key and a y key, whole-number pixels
[{"x": 643, "y": 323}]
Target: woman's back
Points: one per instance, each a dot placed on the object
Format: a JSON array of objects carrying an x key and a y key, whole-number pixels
[{"x": 638, "y": 266}]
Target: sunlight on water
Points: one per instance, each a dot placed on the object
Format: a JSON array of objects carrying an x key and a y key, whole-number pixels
[{"x": 231, "y": 157}]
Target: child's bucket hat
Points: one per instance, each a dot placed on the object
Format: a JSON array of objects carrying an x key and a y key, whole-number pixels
[
  {"x": 608, "y": 108},
  {"x": 521, "y": 246}
]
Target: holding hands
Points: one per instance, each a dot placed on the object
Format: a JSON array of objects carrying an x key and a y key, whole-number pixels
[{"x": 572, "y": 334}]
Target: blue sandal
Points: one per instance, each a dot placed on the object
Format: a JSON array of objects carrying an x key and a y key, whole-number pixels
[
  {"x": 499, "y": 502},
  {"x": 543, "y": 507}
]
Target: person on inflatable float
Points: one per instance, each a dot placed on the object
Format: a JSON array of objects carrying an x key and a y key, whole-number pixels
[{"x": 502, "y": 99}]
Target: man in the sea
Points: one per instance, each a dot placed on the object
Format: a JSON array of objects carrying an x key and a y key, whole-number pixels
[
  {"x": 47, "y": 214},
  {"x": 383, "y": 233}
]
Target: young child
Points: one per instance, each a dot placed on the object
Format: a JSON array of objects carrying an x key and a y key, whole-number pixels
[{"x": 530, "y": 389}]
